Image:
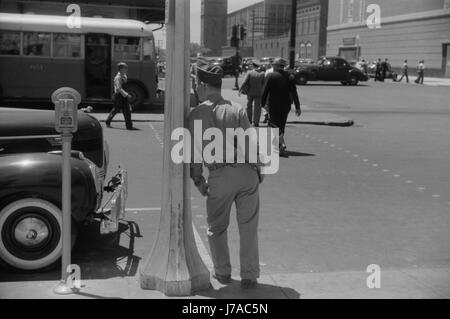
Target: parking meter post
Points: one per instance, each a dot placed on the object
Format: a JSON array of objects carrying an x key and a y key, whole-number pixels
[
  {"x": 66, "y": 102},
  {"x": 63, "y": 288}
]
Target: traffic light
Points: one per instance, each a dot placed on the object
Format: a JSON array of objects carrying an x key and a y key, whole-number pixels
[
  {"x": 234, "y": 32},
  {"x": 242, "y": 32}
]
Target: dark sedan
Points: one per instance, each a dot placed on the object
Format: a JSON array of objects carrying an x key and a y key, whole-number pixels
[{"x": 329, "y": 69}]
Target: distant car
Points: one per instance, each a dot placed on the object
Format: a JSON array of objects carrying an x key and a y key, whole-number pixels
[
  {"x": 329, "y": 69},
  {"x": 266, "y": 62},
  {"x": 225, "y": 64},
  {"x": 30, "y": 185}
]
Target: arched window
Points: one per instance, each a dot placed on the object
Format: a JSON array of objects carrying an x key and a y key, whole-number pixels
[
  {"x": 302, "y": 50},
  {"x": 308, "y": 50}
]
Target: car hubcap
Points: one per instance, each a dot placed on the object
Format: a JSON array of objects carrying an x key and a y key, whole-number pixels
[{"x": 31, "y": 232}]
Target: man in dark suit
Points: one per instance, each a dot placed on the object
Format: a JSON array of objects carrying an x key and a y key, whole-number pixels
[{"x": 280, "y": 90}]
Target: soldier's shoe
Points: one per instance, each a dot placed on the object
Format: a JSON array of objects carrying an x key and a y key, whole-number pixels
[
  {"x": 223, "y": 279},
  {"x": 248, "y": 283},
  {"x": 108, "y": 125}
]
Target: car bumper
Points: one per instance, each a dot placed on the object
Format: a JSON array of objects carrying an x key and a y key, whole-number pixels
[{"x": 117, "y": 202}]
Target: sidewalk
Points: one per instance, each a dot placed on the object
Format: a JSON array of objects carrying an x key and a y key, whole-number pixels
[{"x": 427, "y": 81}]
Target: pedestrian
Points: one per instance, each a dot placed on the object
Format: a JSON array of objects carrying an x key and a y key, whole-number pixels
[
  {"x": 265, "y": 107},
  {"x": 279, "y": 92},
  {"x": 420, "y": 72},
  {"x": 378, "y": 70},
  {"x": 384, "y": 69},
  {"x": 121, "y": 98},
  {"x": 405, "y": 72},
  {"x": 236, "y": 62},
  {"x": 227, "y": 183},
  {"x": 253, "y": 87}
]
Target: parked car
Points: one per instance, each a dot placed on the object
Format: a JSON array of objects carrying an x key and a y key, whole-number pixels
[
  {"x": 329, "y": 69},
  {"x": 30, "y": 188}
]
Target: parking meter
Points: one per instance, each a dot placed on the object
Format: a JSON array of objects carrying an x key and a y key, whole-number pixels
[{"x": 66, "y": 102}]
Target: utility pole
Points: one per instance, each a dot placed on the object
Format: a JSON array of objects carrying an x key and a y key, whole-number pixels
[
  {"x": 253, "y": 32},
  {"x": 293, "y": 34},
  {"x": 174, "y": 266}
]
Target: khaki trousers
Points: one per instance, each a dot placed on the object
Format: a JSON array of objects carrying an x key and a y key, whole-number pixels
[{"x": 237, "y": 185}]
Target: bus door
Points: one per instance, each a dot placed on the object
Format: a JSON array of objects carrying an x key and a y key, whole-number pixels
[{"x": 98, "y": 65}]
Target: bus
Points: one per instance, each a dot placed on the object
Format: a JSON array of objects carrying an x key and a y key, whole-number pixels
[{"x": 41, "y": 53}]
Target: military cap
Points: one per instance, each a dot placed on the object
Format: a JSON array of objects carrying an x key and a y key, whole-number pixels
[
  {"x": 209, "y": 73},
  {"x": 279, "y": 61},
  {"x": 122, "y": 65}
]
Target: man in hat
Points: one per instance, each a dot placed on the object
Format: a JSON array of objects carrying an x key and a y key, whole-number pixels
[
  {"x": 227, "y": 183},
  {"x": 280, "y": 91},
  {"x": 121, "y": 97},
  {"x": 252, "y": 87}
]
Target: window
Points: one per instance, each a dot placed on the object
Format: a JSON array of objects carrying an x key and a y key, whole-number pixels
[
  {"x": 66, "y": 45},
  {"x": 127, "y": 48},
  {"x": 148, "y": 49},
  {"x": 36, "y": 44},
  {"x": 308, "y": 50},
  {"x": 10, "y": 43}
]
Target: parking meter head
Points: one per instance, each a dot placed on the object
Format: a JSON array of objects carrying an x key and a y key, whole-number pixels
[{"x": 66, "y": 102}]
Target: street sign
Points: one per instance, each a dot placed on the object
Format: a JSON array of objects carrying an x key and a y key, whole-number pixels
[{"x": 66, "y": 102}]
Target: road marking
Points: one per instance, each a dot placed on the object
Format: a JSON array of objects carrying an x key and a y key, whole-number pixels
[
  {"x": 396, "y": 175},
  {"x": 374, "y": 165},
  {"x": 421, "y": 189},
  {"x": 365, "y": 160},
  {"x": 409, "y": 182},
  {"x": 386, "y": 170},
  {"x": 355, "y": 155},
  {"x": 436, "y": 196}
]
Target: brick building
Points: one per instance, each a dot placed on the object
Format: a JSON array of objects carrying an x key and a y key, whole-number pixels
[{"x": 409, "y": 29}]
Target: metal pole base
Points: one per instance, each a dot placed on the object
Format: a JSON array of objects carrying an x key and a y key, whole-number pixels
[{"x": 63, "y": 289}]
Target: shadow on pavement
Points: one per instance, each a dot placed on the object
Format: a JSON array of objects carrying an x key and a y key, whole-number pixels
[
  {"x": 99, "y": 256},
  {"x": 261, "y": 291},
  {"x": 298, "y": 154}
]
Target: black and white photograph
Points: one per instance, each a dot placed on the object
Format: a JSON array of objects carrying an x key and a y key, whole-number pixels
[{"x": 225, "y": 154}]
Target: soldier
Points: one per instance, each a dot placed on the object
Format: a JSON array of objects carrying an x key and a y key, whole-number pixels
[
  {"x": 227, "y": 183},
  {"x": 121, "y": 97},
  {"x": 280, "y": 91}
]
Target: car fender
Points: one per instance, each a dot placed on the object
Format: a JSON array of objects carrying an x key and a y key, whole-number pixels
[{"x": 39, "y": 175}]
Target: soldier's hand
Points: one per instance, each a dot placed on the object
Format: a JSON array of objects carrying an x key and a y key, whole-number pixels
[
  {"x": 203, "y": 188},
  {"x": 129, "y": 97},
  {"x": 298, "y": 112}
]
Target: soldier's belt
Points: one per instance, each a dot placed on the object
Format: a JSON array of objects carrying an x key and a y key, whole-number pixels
[{"x": 216, "y": 166}]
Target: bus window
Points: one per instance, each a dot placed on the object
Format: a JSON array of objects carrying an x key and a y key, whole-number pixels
[
  {"x": 127, "y": 48},
  {"x": 36, "y": 44},
  {"x": 149, "y": 50},
  {"x": 9, "y": 43},
  {"x": 66, "y": 45}
]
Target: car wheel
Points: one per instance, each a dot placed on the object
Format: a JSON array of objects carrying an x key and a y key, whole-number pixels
[
  {"x": 353, "y": 80},
  {"x": 302, "y": 80},
  {"x": 30, "y": 234},
  {"x": 137, "y": 96},
  {"x": 344, "y": 83}
]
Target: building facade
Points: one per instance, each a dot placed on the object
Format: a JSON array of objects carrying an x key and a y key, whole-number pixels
[
  {"x": 407, "y": 29},
  {"x": 311, "y": 29},
  {"x": 214, "y": 25}
]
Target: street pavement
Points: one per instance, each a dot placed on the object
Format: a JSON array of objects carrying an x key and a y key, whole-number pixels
[{"x": 376, "y": 192}]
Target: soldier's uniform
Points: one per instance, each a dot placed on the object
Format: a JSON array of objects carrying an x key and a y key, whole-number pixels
[
  {"x": 228, "y": 184},
  {"x": 121, "y": 103}
]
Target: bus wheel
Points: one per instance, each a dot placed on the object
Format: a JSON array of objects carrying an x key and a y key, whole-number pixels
[{"x": 137, "y": 95}]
